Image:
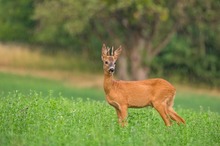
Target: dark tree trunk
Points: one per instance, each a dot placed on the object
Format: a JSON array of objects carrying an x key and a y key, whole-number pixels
[
  {"x": 138, "y": 70},
  {"x": 142, "y": 51},
  {"x": 122, "y": 72}
]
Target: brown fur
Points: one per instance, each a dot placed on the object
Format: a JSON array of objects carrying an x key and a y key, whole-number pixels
[{"x": 122, "y": 95}]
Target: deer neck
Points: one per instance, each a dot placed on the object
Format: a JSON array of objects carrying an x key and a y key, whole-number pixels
[{"x": 108, "y": 82}]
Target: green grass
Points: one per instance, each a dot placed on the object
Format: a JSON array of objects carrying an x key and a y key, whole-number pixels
[
  {"x": 36, "y": 111},
  {"x": 37, "y": 120},
  {"x": 25, "y": 84},
  {"x": 198, "y": 101}
]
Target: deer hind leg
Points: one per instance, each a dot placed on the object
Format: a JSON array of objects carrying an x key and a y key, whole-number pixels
[
  {"x": 163, "y": 111},
  {"x": 173, "y": 115}
]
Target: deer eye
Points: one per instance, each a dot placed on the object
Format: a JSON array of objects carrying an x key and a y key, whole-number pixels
[{"x": 106, "y": 62}]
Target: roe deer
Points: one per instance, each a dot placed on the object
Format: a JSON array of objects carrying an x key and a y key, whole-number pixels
[{"x": 122, "y": 95}]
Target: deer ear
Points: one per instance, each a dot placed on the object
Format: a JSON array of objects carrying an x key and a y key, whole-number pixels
[
  {"x": 117, "y": 52},
  {"x": 104, "y": 51}
]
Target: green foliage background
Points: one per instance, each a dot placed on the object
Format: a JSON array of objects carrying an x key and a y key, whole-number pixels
[
  {"x": 82, "y": 26},
  {"x": 37, "y": 111}
]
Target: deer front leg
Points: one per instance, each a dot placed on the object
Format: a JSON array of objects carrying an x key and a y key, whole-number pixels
[
  {"x": 118, "y": 114},
  {"x": 122, "y": 115}
]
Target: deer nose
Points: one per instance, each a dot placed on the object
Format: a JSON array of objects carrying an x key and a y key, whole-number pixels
[{"x": 111, "y": 69}]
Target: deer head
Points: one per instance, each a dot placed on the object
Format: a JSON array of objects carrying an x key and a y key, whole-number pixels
[{"x": 109, "y": 58}]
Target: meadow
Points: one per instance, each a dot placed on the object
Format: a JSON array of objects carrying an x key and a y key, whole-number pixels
[
  {"x": 35, "y": 119},
  {"x": 38, "y": 111},
  {"x": 24, "y": 84}
]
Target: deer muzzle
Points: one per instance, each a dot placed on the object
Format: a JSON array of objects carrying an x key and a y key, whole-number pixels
[{"x": 111, "y": 70}]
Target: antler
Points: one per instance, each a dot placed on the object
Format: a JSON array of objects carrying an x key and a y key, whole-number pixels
[
  {"x": 108, "y": 51},
  {"x": 112, "y": 51}
]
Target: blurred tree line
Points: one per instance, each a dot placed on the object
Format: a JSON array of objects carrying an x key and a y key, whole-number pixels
[{"x": 177, "y": 39}]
